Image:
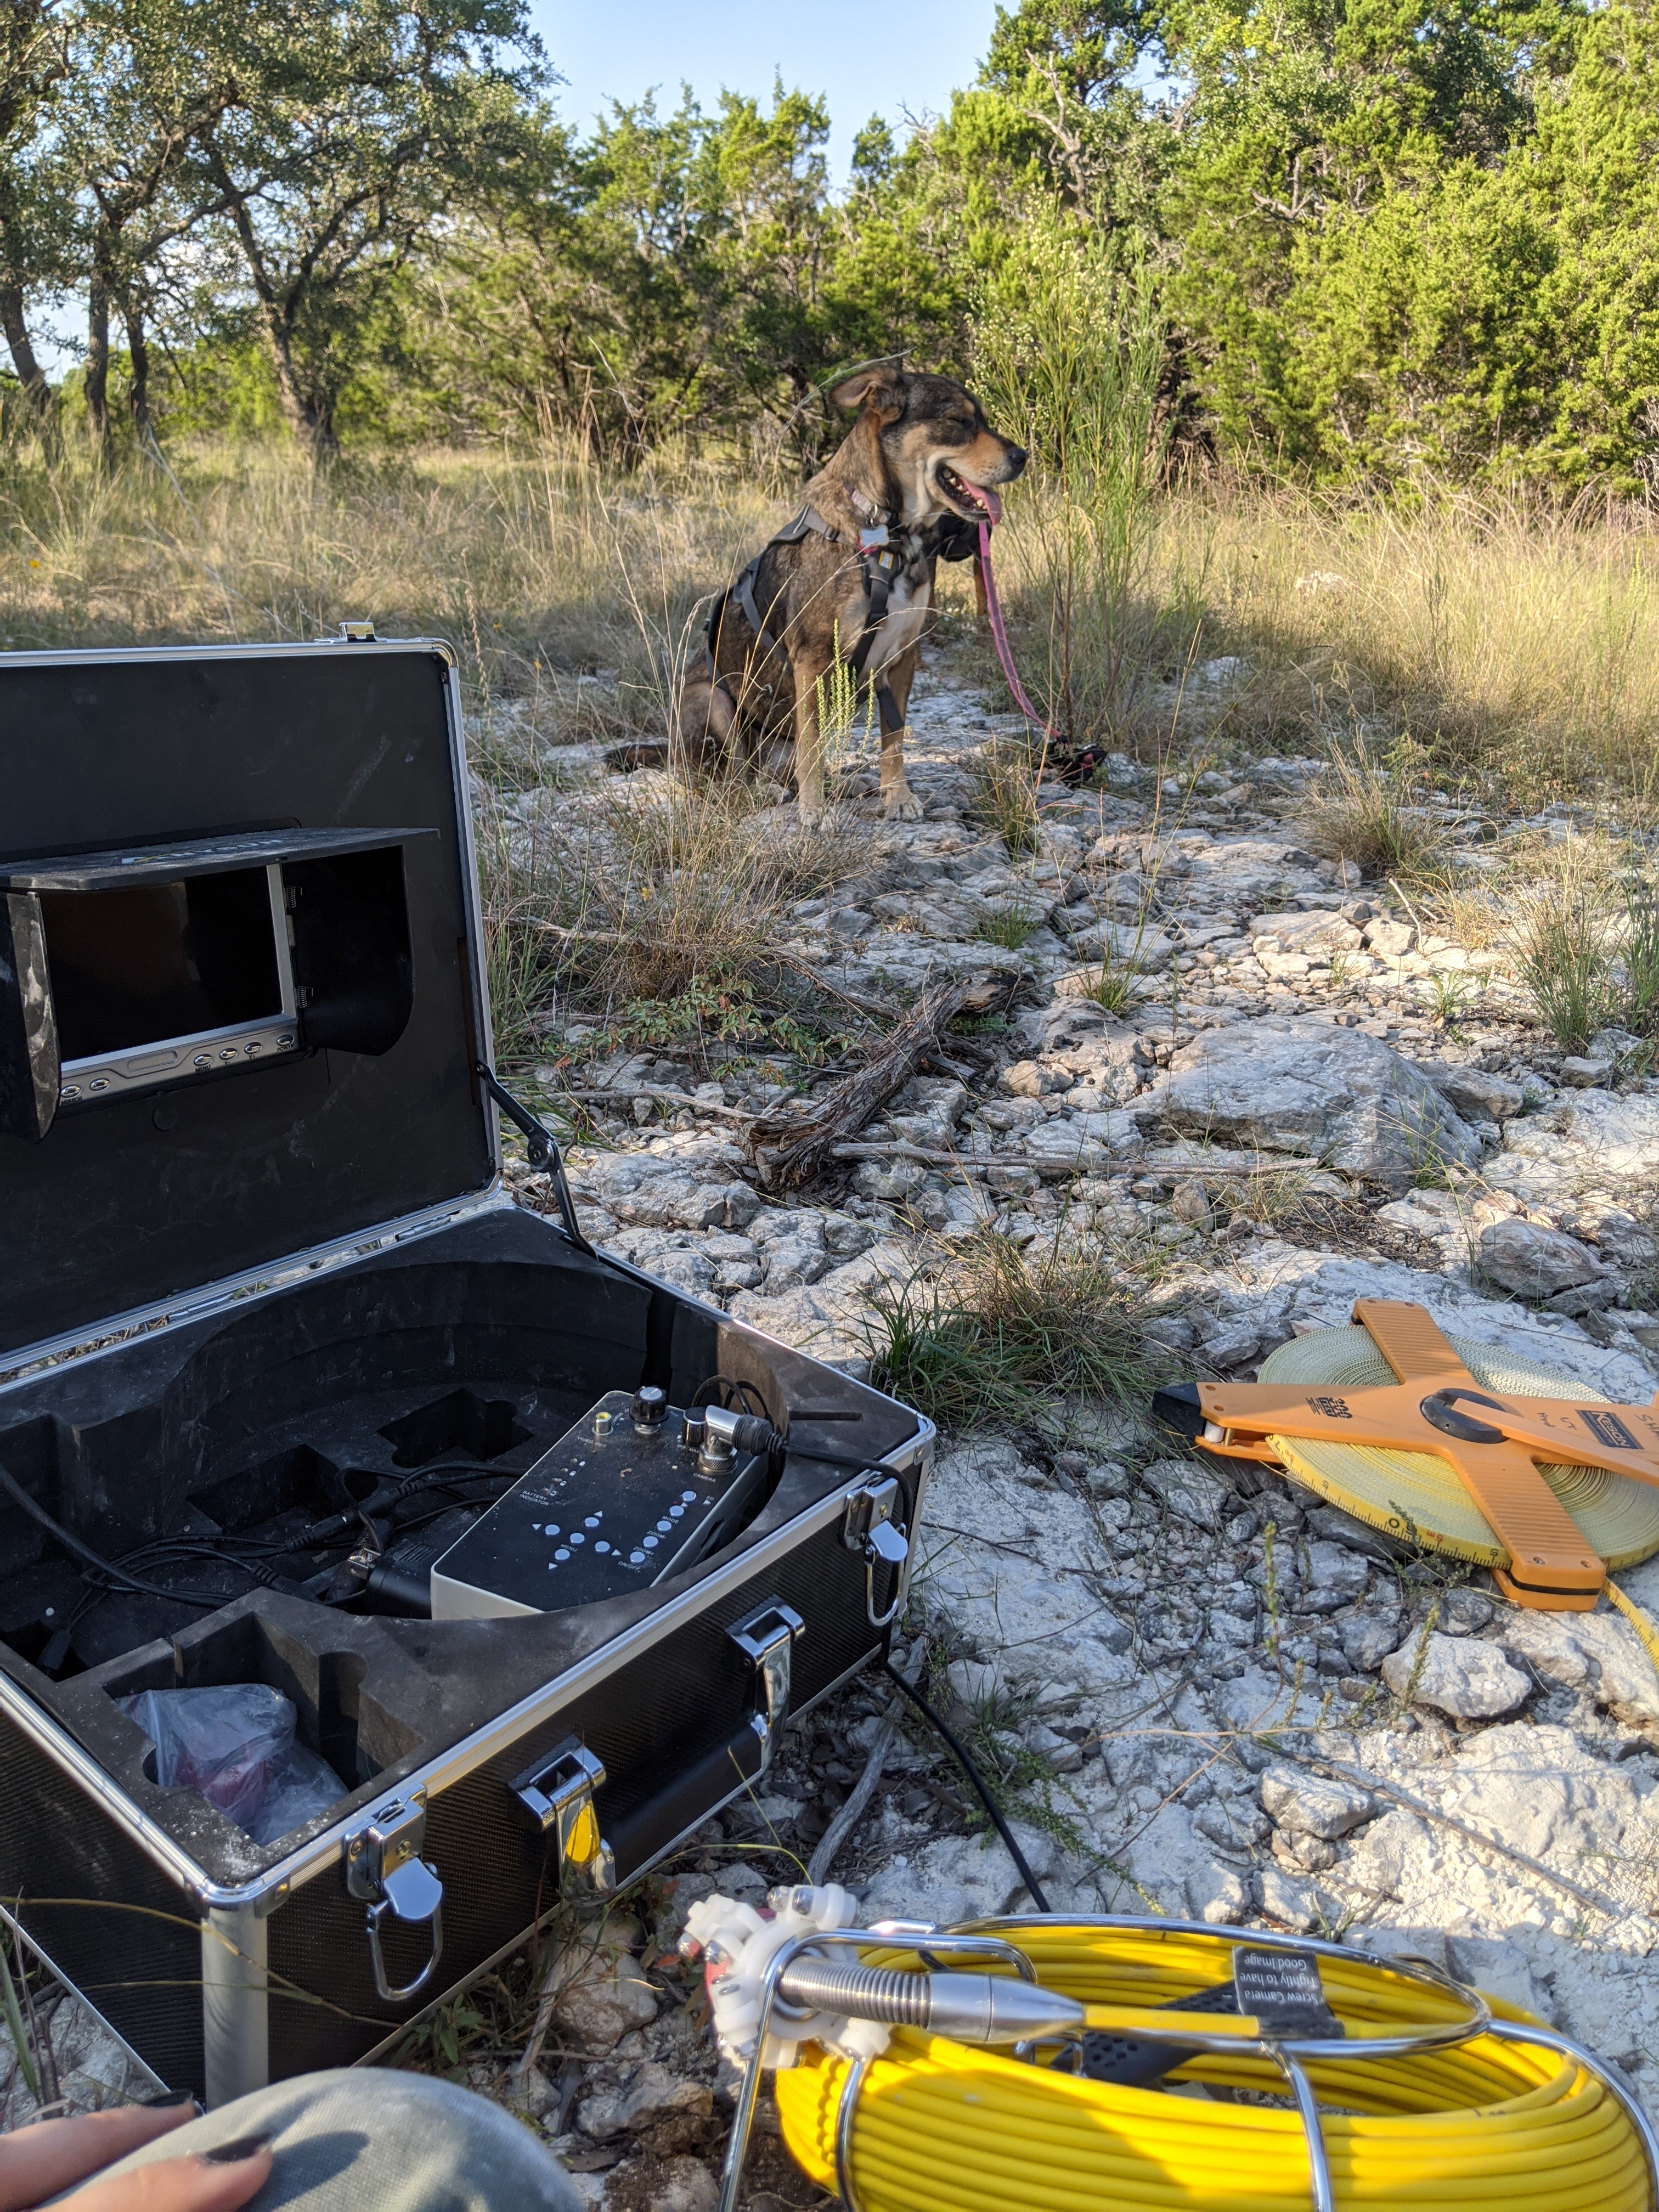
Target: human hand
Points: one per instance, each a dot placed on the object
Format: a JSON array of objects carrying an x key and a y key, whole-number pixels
[{"x": 37, "y": 2162}]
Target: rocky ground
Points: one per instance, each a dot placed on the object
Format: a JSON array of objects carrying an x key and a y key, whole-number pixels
[{"x": 1202, "y": 1699}]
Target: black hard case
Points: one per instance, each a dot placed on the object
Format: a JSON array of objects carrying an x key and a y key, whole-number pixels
[{"x": 206, "y": 1282}]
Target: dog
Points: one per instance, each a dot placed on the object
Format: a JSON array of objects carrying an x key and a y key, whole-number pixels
[{"x": 851, "y": 577}]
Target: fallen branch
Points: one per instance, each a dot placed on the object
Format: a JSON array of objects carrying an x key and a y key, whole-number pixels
[
  {"x": 789, "y": 1148},
  {"x": 863, "y": 1790},
  {"x": 969, "y": 1163}
]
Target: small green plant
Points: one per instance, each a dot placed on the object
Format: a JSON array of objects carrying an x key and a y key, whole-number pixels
[
  {"x": 22, "y": 2046},
  {"x": 1450, "y": 994},
  {"x": 1005, "y": 777},
  {"x": 839, "y": 721},
  {"x": 1562, "y": 957},
  {"x": 1019, "y": 1777},
  {"x": 1008, "y": 926},
  {"x": 1003, "y": 1333},
  {"x": 1640, "y": 1011},
  {"x": 1118, "y": 986}
]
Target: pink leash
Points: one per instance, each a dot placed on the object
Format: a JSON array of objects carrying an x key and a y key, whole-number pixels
[{"x": 999, "y": 638}]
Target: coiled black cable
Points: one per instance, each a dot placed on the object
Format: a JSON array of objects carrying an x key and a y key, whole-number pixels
[{"x": 94, "y": 1560}]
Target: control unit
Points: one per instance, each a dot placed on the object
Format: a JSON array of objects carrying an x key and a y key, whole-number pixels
[{"x": 636, "y": 1492}]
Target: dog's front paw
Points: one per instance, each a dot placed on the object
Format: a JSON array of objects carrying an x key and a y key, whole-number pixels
[{"x": 900, "y": 805}]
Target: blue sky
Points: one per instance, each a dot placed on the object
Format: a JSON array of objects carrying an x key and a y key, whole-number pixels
[{"x": 908, "y": 55}]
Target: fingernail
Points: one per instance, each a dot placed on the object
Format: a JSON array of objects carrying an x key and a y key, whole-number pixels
[
  {"x": 167, "y": 2097},
  {"x": 239, "y": 2147}
]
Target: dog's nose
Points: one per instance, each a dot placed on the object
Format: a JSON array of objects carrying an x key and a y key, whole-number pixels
[{"x": 1018, "y": 458}]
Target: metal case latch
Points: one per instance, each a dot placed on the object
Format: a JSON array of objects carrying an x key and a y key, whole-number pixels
[
  {"x": 868, "y": 1526},
  {"x": 767, "y": 1639},
  {"x": 559, "y": 1796},
  {"x": 383, "y": 1867}
]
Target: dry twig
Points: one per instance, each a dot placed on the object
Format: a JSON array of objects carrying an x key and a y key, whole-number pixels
[{"x": 788, "y": 1149}]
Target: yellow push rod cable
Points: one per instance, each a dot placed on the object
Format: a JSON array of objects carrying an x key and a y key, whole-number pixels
[{"x": 1434, "y": 2100}]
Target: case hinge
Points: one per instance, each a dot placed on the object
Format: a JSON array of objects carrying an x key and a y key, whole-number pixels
[
  {"x": 868, "y": 1525},
  {"x": 358, "y": 633},
  {"x": 559, "y": 1796},
  {"x": 767, "y": 1638},
  {"x": 385, "y": 1868}
]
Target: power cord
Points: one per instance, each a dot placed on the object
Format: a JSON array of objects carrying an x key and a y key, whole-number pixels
[
  {"x": 959, "y": 1753},
  {"x": 95, "y": 1561}
]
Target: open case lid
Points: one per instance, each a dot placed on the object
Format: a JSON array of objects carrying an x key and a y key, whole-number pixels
[{"x": 241, "y": 989}]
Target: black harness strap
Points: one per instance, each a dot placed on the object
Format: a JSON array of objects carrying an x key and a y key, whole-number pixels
[
  {"x": 881, "y": 562},
  {"x": 882, "y": 568}
]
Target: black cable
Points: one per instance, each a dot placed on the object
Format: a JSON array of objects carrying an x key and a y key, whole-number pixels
[
  {"x": 94, "y": 1560},
  {"x": 959, "y": 1753}
]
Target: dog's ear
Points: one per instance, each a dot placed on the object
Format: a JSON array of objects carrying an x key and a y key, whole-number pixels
[{"x": 879, "y": 385}]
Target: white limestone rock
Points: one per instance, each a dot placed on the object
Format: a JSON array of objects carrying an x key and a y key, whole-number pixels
[
  {"x": 1306, "y": 1804},
  {"x": 1285, "y": 1084},
  {"x": 605, "y": 1998},
  {"x": 1194, "y": 1492},
  {"x": 954, "y": 1878},
  {"x": 666, "y": 2110},
  {"x": 1593, "y": 1651},
  {"x": 1534, "y": 1261},
  {"x": 1461, "y": 1675}
]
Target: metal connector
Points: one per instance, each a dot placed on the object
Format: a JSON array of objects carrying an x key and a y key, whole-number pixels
[{"x": 358, "y": 633}]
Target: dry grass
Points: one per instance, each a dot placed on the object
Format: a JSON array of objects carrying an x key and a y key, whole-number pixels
[
  {"x": 1497, "y": 636},
  {"x": 1503, "y": 636},
  {"x": 1507, "y": 639},
  {"x": 1005, "y": 777},
  {"x": 1516, "y": 645},
  {"x": 655, "y": 911},
  {"x": 571, "y": 598},
  {"x": 1361, "y": 811}
]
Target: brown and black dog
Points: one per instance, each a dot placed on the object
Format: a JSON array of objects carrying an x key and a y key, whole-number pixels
[{"x": 907, "y": 486}]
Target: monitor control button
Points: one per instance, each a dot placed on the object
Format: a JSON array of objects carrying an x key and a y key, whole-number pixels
[{"x": 102, "y": 1084}]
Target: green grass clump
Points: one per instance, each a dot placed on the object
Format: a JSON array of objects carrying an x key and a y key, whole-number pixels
[
  {"x": 1008, "y": 926},
  {"x": 1564, "y": 959},
  {"x": 1360, "y": 811},
  {"x": 1005, "y": 1333}
]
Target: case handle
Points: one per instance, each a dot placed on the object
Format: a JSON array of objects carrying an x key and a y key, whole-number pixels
[{"x": 383, "y": 1867}]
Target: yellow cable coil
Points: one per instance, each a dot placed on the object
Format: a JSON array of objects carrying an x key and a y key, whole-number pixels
[
  {"x": 946, "y": 2127},
  {"x": 1417, "y": 1495}
]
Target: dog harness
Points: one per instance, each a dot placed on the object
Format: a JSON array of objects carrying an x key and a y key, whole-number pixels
[{"x": 882, "y": 561}]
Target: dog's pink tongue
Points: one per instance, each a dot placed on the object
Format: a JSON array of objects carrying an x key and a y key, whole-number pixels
[{"x": 993, "y": 504}]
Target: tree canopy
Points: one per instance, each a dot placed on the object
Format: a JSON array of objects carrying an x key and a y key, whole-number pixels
[{"x": 1379, "y": 237}]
